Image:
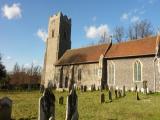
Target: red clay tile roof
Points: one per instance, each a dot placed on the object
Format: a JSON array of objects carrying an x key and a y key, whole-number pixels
[
  {"x": 141, "y": 47},
  {"x": 83, "y": 55}
]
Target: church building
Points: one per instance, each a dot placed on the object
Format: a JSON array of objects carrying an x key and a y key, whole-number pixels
[{"x": 135, "y": 62}]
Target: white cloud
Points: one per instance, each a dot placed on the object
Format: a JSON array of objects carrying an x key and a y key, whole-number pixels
[
  {"x": 135, "y": 19},
  {"x": 8, "y": 58},
  {"x": 42, "y": 34},
  {"x": 11, "y": 12},
  {"x": 93, "y": 32},
  {"x": 124, "y": 16}
]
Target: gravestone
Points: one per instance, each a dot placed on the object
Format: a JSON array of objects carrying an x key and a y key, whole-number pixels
[
  {"x": 119, "y": 93},
  {"x": 102, "y": 98},
  {"x": 81, "y": 88},
  {"x": 84, "y": 88},
  {"x": 136, "y": 87},
  {"x": 145, "y": 87},
  {"x": 116, "y": 94},
  {"x": 47, "y": 105},
  {"x": 72, "y": 106},
  {"x": 93, "y": 87},
  {"x": 61, "y": 99},
  {"x": 110, "y": 95},
  {"x": 41, "y": 88},
  {"x": 137, "y": 96},
  {"x": 123, "y": 91},
  {"x": 5, "y": 108}
]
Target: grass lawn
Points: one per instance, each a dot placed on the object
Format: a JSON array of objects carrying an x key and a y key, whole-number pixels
[{"x": 25, "y": 106}]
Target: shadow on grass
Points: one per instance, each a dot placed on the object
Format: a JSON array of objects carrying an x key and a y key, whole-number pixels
[{"x": 33, "y": 118}]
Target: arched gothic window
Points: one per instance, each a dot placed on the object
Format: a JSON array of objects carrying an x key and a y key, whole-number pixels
[
  {"x": 137, "y": 71},
  {"x": 111, "y": 73}
]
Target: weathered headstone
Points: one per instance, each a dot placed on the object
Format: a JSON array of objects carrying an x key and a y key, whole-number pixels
[
  {"x": 137, "y": 96},
  {"x": 47, "y": 105},
  {"x": 145, "y": 87},
  {"x": 81, "y": 88},
  {"x": 61, "y": 99},
  {"x": 84, "y": 88},
  {"x": 41, "y": 88},
  {"x": 116, "y": 94},
  {"x": 110, "y": 95},
  {"x": 136, "y": 87},
  {"x": 119, "y": 93},
  {"x": 72, "y": 106},
  {"x": 93, "y": 87},
  {"x": 123, "y": 91},
  {"x": 5, "y": 108},
  {"x": 102, "y": 98}
]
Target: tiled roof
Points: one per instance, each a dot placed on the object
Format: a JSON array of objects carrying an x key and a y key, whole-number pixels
[
  {"x": 82, "y": 55},
  {"x": 141, "y": 47}
]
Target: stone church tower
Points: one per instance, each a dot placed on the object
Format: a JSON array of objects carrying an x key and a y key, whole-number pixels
[{"x": 59, "y": 40}]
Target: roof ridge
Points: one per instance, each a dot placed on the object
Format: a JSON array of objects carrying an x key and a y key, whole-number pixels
[
  {"x": 88, "y": 46},
  {"x": 135, "y": 40}
]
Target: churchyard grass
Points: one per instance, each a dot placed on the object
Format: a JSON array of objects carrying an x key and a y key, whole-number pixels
[{"x": 25, "y": 106}]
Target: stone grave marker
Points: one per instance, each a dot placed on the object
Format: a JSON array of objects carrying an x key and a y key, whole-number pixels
[
  {"x": 137, "y": 96},
  {"x": 119, "y": 93},
  {"x": 5, "y": 108},
  {"x": 72, "y": 106},
  {"x": 84, "y": 88},
  {"x": 47, "y": 105},
  {"x": 110, "y": 95},
  {"x": 116, "y": 94},
  {"x": 123, "y": 91},
  {"x": 102, "y": 98},
  {"x": 81, "y": 88}
]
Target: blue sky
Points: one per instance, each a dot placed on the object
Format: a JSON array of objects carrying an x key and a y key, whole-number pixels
[{"x": 24, "y": 23}]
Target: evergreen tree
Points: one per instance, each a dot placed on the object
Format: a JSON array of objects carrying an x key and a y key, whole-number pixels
[{"x": 2, "y": 72}]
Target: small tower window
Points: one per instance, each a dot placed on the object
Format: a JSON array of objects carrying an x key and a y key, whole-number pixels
[{"x": 52, "y": 33}]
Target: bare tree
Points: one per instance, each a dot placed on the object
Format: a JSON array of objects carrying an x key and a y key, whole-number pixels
[
  {"x": 104, "y": 38},
  {"x": 140, "y": 29},
  {"x": 118, "y": 33}
]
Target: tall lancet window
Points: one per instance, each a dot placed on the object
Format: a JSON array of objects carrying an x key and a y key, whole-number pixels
[
  {"x": 137, "y": 71},
  {"x": 79, "y": 75},
  {"x": 111, "y": 73}
]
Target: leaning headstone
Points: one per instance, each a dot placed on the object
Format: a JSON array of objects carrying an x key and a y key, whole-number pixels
[
  {"x": 119, "y": 93},
  {"x": 123, "y": 91},
  {"x": 72, "y": 106},
  {"x": 102, "y": 98},
  {"x": 110, "y": 95},
  {"x": 47, "y": 106},
  {"x": 116, "y": 94},
  {"x": 5, "y": 108},
  {"x": 61, "y": 99},
  {"x": 137, "y": 96},
  {"x": 84, "y": 88}
]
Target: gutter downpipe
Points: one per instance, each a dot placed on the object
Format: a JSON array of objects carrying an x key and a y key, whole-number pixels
[{"x": 155, "y": 59}]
